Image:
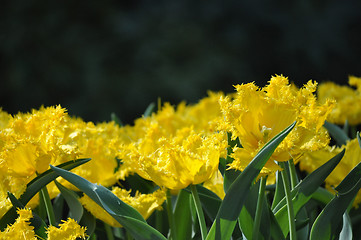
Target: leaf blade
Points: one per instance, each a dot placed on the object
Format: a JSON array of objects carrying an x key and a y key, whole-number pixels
[
  {"x": 303, "y": 191},
  {"x": 126, "y": 215},
  {"x": 232, "y": 203},
  {"x": 327, "y": 222},
  {"x": 72, "y": 199},
  {"x": 35, "y": 186}
]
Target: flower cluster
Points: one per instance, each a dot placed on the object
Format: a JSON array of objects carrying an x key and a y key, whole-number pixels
[
  {"x": 348, "y": 101},
  {"x": 23, "y": 230},
  {"x": 171, "y": 150},
  {"x": 255, "y": 115},
  {"x": 347, "y": 109}
]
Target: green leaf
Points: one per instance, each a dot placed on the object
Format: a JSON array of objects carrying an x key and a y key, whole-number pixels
[
  {"x": 302, "y": 224},
  {"x": 279, "y": 192},
  {"x": 358, "y": 139},
  {"x": 350, "y": 181},
  {"x": 88, "y": 220},
  {"x": 322, "y": 195},
  {"x": 337, "y": 133},
  {"x": 232, "y": 203},
  {"x": 247, "y": 216},
  {"x": 303, "y": 191},
  {"x": 182, "y": 216},
  {"x": 210, "y": 201},
  {"x": 275, "y": 229},
  {"x": 346, "y": 127},
  {"x": 72, "y": 199},
  {"x": 34, "y": 186},
  {"x": 139, "y": 229},
  {"x": 58, "y": 205},
  {"x": 46, "y": 177},
  {"x": 229, "y": 175},
  {"x": 328, "y": 221},
  {"x": 159, "y": 220},
  {"x": 150, "y": 109},
  {"x": 126, "y": 215},
  {"x": 116, "y": 119},
  {"x": 48, "y": 205},
  {"x": 346, "y": 232}
]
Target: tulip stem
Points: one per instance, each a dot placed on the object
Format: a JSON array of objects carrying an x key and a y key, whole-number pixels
[
  {"x": 48, "y": 206},
  {"x": 171, "y": 216},
  {"x": 260, "y": 199},
  {"x": 108, "y": 231},
  {"x": 293, "y": 174},
  {"x": 291, "y": 217},
  {"x": 197, "y": 203}
]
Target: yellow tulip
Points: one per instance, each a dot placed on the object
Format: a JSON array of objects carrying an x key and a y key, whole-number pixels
[{"x": 256, "y": 115}]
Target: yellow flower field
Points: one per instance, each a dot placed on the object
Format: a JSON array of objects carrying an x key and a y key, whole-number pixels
[{"x": 264, "y": 162}]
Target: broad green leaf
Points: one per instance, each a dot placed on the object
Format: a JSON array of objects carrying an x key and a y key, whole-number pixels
[
  {"x": 350, "y": 181},
  {"x": 329, "y": 220},
  {"x": 41, "y": 209},
  {"x": 303, "y": 191},
  {"x": 99, "y": 194},
  {"x": 159, "y": 220},
  {"x": 140, "y": 230},
  {"x": 182, "y": 216},
  {"x": 210, "y": 201},
  {"x": 232, "y": 203},
  {"x": 72, "y": 199},
  {"x": 276, "y": 231},
  {"x": 44, "y": 194},
  {"x": 58, "y": 206},
  {"x": 46, "y": 177},
  {"x": 126, "y": 215},
  {"x": 302, "y": 224},
  {"x": 229, "y": 177},
  {"x": 34, "y": 186},
  {"x": 358, "y": 139},
  {"x": 337, "y": 133},
  {"x": 247, "y": 215},
  {"x": 322, "y": 195}
]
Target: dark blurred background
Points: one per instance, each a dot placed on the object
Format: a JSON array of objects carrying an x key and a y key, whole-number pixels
[{"x": 95, "y": 58}]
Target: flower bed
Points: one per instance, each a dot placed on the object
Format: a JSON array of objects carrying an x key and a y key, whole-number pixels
[{"x": 262, "y": 163}]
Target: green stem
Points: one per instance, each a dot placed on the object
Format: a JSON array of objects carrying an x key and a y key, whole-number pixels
[
  {"x": 48, "y": 206},
  {"x": 291, "y": 217},
  {"x": 108, "y": 231},
  {"x": 129, "y": 237},
  {"x": 201, "y": 219},
  {"x": 293, "y": 174},
  {"x": 260, "y": 199},
  {"x": 159, "y": 221},
  {"x": 353, "y": 131},
  {"x": 171, "y": 216}
]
